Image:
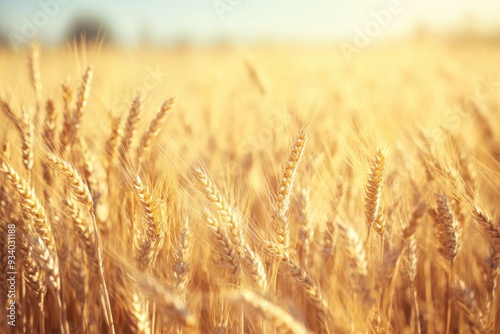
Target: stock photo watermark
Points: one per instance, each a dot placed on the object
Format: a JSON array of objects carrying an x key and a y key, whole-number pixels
[
  {"x": 223, "y": 7},
  {"x": 153, "y": 78},
  {"x": 33, "y": 24},
  {"x": 365, "y": 34},
  {"x": 11, "y": 274},
  {"x": 486, "y": 87},
  {"x": 258, "y": 142}
]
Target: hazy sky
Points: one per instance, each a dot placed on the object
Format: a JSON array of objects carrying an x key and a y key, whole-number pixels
[{"x": 200, "y": 20}]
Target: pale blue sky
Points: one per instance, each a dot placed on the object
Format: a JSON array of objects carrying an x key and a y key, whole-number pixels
[{"x": 248, "y": 20}]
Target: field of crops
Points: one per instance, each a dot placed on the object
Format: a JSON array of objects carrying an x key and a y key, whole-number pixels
[{"x": 265, "y": 189}]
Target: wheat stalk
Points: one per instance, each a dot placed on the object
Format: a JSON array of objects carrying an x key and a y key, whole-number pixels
[
  {"x": 255, "y": 77},
  {"x": 150, "y": 244},
  {"x": 27, "y": 135},
  {"x": 34, "y": 68},
  {"x": 154, "y": 127},
  {"x": 82, "y": 193},
  {"x": 329, "y": 238},
  {"x": 130, "y": 126},
  {"x": 81, "y": 102},
  {"x": 252, "y": 263},
  {"x": 48, "y": 137},
  {"x": 411, "y": 258},
  {"x": 280, "y": 222},
  {"x": 34, "y": 277},
  {"x": 31, "y": 205},
  {"x": 182, "y": 253},
  {"x": 73, "y": 179},
  {"x": 64, "y": 137},
  {"x": 447, "y": 228},
  {"x": 86, "y": 235},
  {"x": 373, "y": 191},
  {"x": 491, "y": 228},
  {"x": 305, "y": 232},
  {"x": 227, "y": 256},
  {"x": 140, "y": 323},
  {"x": 448, "y": 233},
  {"x": 113, "y": 140}
]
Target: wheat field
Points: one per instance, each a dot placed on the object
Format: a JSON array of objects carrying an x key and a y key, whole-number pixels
[{"x": 265, "y": 189}]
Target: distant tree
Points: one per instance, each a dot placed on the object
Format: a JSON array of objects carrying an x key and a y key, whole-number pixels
[
  {"x": 88, "y": 29},
  {"x": 4, "y": 41}
]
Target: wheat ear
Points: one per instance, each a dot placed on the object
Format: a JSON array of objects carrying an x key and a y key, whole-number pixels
[
  {"x": 410, "y": 259},
  {"x": 86, "y": 235},
  {"x": 448, "y": 233},
  {"x": 73, "y": 179},
  {"x": 373, "y": 191},
  {"x": 32, "y": 206},
  {"x": 492, "y": 229},
  {"x": 113, "y": 140},
  {"x": 252, "y": 263},
  {"x": 67, "y": 96},
  {"x": 48, "y": 136},
  {"x": 329, "y": 238},
  {"x": 182, "y": 253},
  {"x": 280, "y": 222},
  {"x": 447, "y": 228},
  {"x": 82, "y": 193},
  {"x": 306, "y": 232},
  {"x": 35, "y": 278},
  {"x": 220, "y": 205},
  {"x": 46, "y": 260},
  {"x": 255, "y": 77},
  {"x": 49, "y": 129},
  {"x": 227, "y": 256},
  {"x": 27, "y": 136},
  {"x": 358, "y": 265},
  {"x": 34, "y": 69},
  {"x": 149, "y": 245},
  {"x": 130, "y": 126},
  {"x": 154, "y": 127},
  {"x": 81, "y": 102}
]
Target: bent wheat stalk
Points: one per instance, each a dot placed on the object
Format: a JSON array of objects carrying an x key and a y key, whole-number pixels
[
  {"x": 252, "y": 262},
  {"x": 81, "y": 191}
]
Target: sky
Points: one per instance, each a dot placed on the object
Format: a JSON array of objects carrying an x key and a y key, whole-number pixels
[{"x": 246, "y": 20}]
